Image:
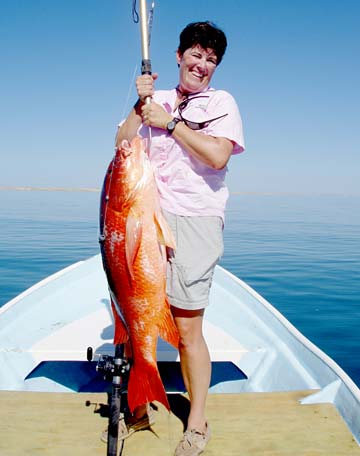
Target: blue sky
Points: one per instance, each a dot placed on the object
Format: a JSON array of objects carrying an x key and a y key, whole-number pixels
[{"x": 293, "y": 67}]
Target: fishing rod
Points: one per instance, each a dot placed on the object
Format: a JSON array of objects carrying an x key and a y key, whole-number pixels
[
  {"x": 145, "y": 30},
  {"x": 145, "y": 26}
]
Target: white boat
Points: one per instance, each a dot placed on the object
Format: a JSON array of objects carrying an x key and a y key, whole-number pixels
[{"x": 45, "y": 332}]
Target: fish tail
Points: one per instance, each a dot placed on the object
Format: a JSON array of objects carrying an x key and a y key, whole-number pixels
[
  {"x": 167, "y": 328},
  {"x": 145, "y": 385}
]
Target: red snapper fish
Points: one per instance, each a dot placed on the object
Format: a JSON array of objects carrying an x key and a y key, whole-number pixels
[{"x": 134, "y": 236}]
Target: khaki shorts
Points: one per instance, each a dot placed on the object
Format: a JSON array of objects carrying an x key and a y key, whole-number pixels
[{"x": 190, "y": 268}]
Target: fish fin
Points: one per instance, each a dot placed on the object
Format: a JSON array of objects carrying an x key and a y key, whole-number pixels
[
  {"x": 167, "y": 328},
  {"x": 133, "y": 237},
  {"x": 145, "y": 385},
  {"x": 121, "y": 335},
  {"x": 164, "y": 232}
]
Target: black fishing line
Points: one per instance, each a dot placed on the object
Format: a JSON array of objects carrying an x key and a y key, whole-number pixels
[{"x": 135, "y": 14}]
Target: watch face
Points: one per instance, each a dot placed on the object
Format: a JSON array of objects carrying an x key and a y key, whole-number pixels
[{"x": 171, "y": 126}]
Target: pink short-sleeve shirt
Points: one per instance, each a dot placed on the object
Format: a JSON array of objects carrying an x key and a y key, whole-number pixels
[{"x": 186, "y": 185}]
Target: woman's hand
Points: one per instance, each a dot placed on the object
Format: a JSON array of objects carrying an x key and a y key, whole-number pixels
[
  {"x": 145, "y": 86},
  {"x": 154, "y": 115}
]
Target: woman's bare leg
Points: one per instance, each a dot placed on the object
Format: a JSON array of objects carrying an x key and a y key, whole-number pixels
[{"x": 195, "y": 363}]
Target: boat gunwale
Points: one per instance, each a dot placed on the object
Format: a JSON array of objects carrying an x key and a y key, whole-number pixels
[
  {"x": 320, "y": 354},
  {"x": 43, "y": 282}
]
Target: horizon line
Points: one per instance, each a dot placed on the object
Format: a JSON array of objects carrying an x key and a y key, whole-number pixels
[{"x": 236, "y": 193}]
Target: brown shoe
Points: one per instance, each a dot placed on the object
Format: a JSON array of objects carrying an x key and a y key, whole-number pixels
[
  {"x": 193, "y": 442},
  {"x": 129, "y": 425}
]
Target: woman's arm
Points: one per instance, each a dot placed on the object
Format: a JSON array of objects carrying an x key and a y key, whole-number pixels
[
  {"x": 129, "y": 128},
  {"x": 214, "y": 152}
]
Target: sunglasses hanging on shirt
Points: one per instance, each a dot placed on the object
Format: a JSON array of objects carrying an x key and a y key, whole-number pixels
[{"x": 195, "y": 125}]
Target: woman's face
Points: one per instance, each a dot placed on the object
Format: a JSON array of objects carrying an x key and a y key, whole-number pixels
[{"x": 197, "y": 65}]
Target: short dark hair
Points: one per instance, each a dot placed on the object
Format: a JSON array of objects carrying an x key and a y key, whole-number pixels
[{"x": 207, "y": 35}]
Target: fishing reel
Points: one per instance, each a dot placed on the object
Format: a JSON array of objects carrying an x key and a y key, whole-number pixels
[{"x": 111, "y": 366}]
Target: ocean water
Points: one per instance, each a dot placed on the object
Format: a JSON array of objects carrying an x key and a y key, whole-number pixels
[{"x": 301, "y": 253}]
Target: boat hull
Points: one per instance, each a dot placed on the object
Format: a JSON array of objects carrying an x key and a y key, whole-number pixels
[{"x": 45, "y": 332}]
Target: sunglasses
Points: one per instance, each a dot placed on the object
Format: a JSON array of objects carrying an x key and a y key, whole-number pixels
[{"x": 195, "y": 125}]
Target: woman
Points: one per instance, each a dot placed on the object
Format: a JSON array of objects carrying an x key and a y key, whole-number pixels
[{"x": 194, "y": 131}]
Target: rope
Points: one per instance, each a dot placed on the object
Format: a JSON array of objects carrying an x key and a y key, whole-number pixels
[{"x": 135, "y": 13}]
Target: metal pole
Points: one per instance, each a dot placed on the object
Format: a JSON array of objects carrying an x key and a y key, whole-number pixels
[
  {"x": 145, "y": 64},
  {"x": 113, "y": 444}
]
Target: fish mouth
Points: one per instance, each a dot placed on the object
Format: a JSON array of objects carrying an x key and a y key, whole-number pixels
[
  {"x": 121, "y": 154},
  {"x": 124, "y": 150},
  {"x": 125, "y": 153}
]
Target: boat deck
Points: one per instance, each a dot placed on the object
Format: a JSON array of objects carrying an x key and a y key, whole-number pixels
[{"x": 243, "y": 424}]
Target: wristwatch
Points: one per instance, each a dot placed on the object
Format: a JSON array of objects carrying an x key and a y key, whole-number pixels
[{"x": 170, "y": 127}]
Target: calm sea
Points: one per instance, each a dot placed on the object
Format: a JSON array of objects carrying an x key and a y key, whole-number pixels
[{"x": 302, "y": 253}]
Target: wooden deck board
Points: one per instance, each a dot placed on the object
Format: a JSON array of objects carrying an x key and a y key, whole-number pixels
[{"x": 250, "y": 424}]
